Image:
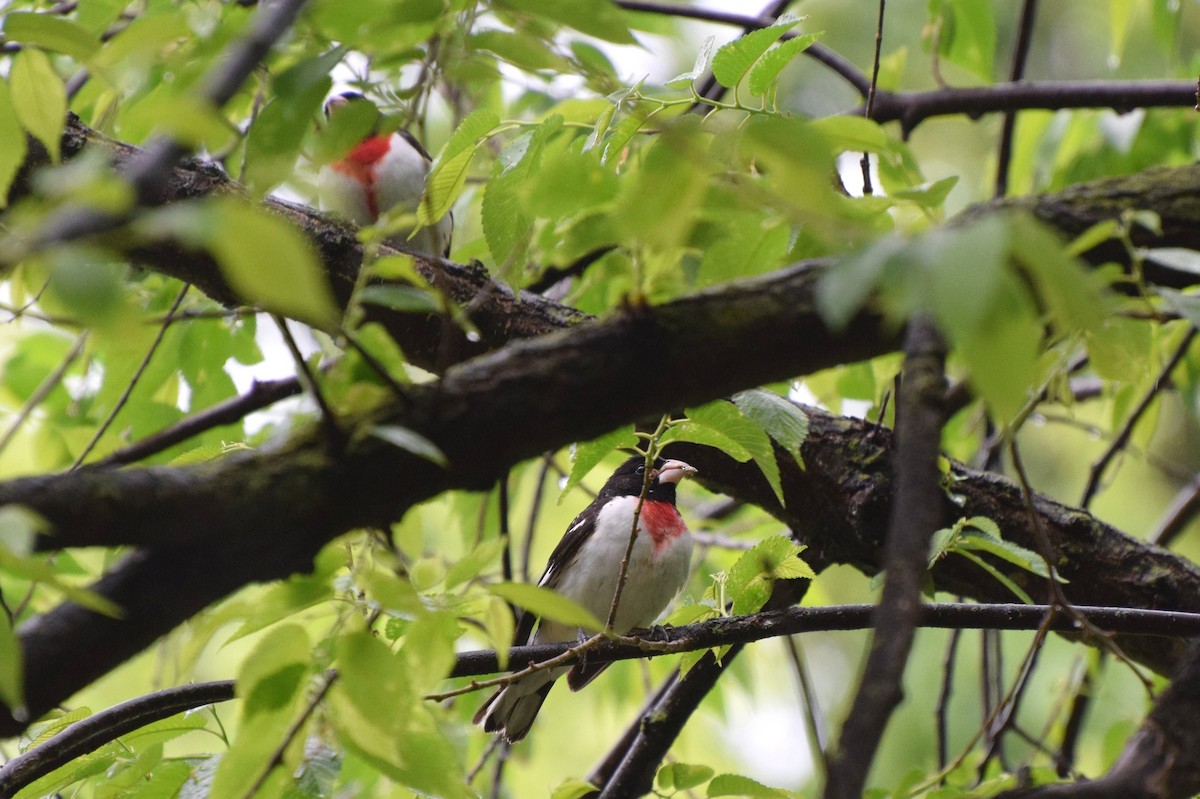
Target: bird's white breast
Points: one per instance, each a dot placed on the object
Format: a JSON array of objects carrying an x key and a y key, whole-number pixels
[{"x": 657, "y": 571}]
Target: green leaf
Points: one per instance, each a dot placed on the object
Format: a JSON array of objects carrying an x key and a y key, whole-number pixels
[
  {"x": 381, "y": 719},
  {"x": 587, "y": 454},
  {"x": 602, "y": 20},
  {"x": 548, "y": 604},
  {"x": 750, "y": 578},
  {"x": 50, "y": 32},
  {"x": 843, "y": 290},
  {"x": 12, "y": 668},
  {"x": 270, "y": 675},
  {"x": 410, "y": 441},
  {"x": 401, "y": 298},
  {"x": 725, "y": 418},
  {"x": 573, "y": 789},
  {"x": 733, "y": 60},
  {"x": 13, "y": 143},
  {"x": 501, "y": 626},
  {"x": 737, "y": 785},
  {"x": 704, "y": 58},
  {"x": 429, "y": 648},
  {"x": 682, "y": 776},
  {"x": 448, "y": 174},
  {"x": 39, "y": 98},
  {"x": 697, "y": 433},
  {"x": 268, "y": 262},
  {"x": 781, "y": 419},
  {"x": 967, "y": 35},
  {"x": 1178, "y": 258},
  {"x": 764, "y": 73},
  {"x": 479, "y": 558}
]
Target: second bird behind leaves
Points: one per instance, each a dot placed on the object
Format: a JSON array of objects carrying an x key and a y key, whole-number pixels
[
  {"x": 585, "y": 566},
  {"x": 385, "y": 172}
]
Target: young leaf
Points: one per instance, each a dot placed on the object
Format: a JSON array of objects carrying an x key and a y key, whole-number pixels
[
  {"x": 734, "y": 60},
  {"x": 448, "y": 173},
  {"x": 764, "y": 74},
  {"x": 410, "y": 441},
  {"x": 548, "y": 604}
]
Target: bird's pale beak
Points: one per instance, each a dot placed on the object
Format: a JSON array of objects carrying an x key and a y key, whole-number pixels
[{"x": 674, "y": 471}]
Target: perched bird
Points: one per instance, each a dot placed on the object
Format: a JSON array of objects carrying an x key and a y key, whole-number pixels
[
  {"x": 384, "y": 171},
  {"x": 585, "y": 566}
]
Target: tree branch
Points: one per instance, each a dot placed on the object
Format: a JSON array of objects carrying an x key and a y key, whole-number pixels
[{"x": 917, "y": 512}]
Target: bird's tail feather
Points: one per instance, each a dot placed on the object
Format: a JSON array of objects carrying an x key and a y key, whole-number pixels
[{"x": 511, "y": 711}]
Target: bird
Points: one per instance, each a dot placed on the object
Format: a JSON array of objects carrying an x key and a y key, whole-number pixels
[
  {"x": 585, "y": 566},
  {"x": 382, "y": 173}
]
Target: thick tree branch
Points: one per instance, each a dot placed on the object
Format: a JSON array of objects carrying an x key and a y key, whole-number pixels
[{"x": 498, "y": 314}]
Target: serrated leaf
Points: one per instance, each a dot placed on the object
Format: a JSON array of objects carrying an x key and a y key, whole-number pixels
[
  {"x": 39, "y": 98},
  {"x": 548, "y": 604},
  {"x": 733, "y": 60},
  {"x": 781, "y": 419},
  {"x": 749, "y": 579},
  {"x": 703, "y": 59},
  {"x": 764, "y": 73},
  {"x": 697, "y": 433},
  {"x": 410, "y": 441},
  {"x": 587, "y": 454},
  {"x": 448, "y": 174},
  {"x": 726, "y": 418},
  {"x": 625, "y": 130}
]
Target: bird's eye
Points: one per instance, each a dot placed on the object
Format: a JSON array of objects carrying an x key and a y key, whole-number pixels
[{"x": 641, "y": 469}]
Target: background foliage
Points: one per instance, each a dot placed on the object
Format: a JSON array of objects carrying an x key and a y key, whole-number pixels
[{"x": 569, "y": 147}]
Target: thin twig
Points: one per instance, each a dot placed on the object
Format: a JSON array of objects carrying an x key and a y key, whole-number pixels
[
  {"x": 941, "y": 711},
  {"x": 133, "y": 381},
  {"x": 1122, "y": 438},
  {"x": 234, "y": 409},
  {"x": 44, "y": 388},
  {"x": 1016, "y": 72},
  {"x": 869, "y": 108},
  {"x": 309, "y": 381},
  {"x": 814, "y": 722}
]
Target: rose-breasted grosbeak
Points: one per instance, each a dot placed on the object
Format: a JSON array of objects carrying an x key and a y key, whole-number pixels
[
  {"x": 585, "y": 566},
  {"x": 384, "y": 171}
]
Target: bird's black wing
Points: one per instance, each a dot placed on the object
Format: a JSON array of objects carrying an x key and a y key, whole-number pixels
[{"x": 563, "y": 555}]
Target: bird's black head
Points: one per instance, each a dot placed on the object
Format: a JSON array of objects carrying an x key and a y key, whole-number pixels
[
  {"x": 630, "y": 476},
  {"x": 342, "y": 100}
]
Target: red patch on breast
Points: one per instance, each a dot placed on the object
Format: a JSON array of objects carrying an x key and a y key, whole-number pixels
[
  {"x": 360, "y": 163},
  {"x": 662, "y": 521}
]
